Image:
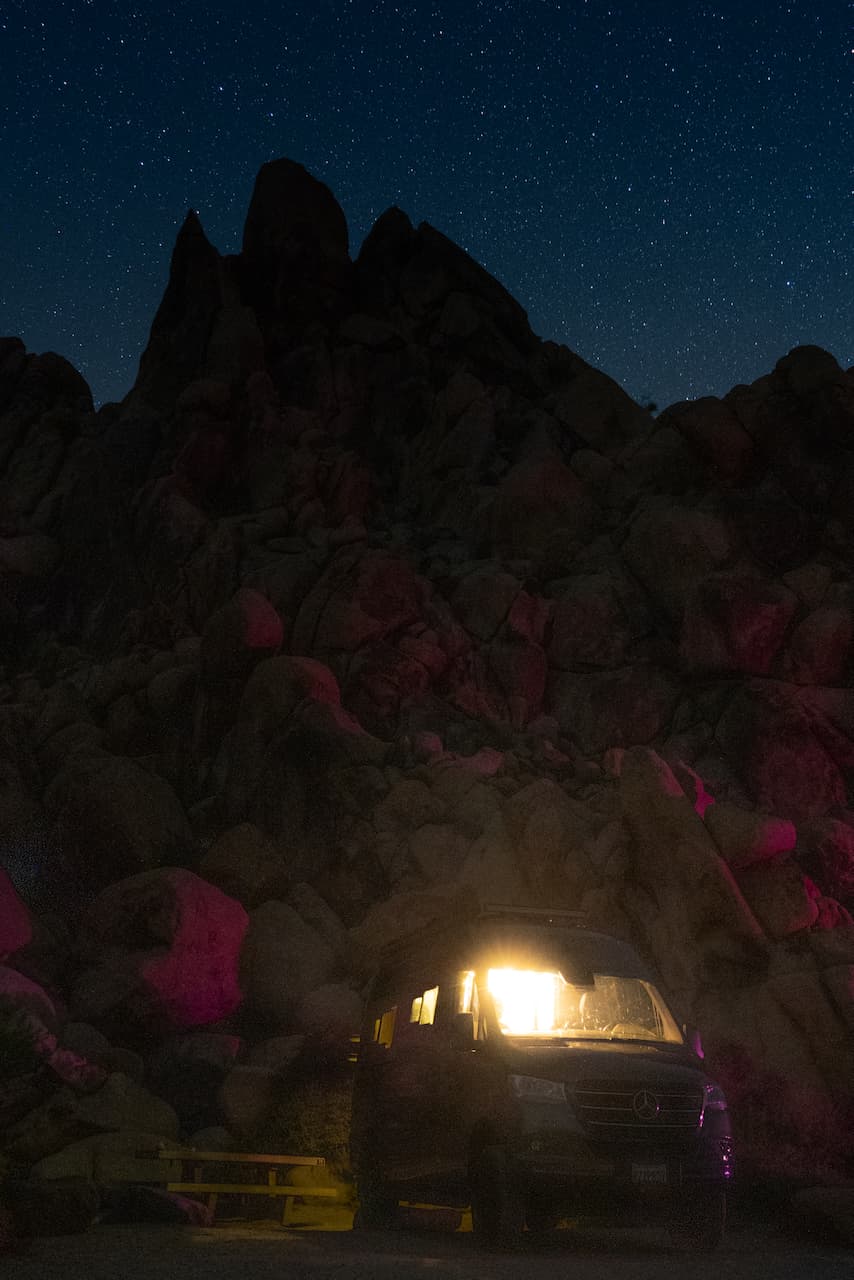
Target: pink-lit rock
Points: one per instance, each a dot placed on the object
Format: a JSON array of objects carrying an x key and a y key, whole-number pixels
[
  {"x": 427, "y": 746},
  {"x": 16, "y": 927},
  {"x": 735, "y": 623},
  {"x": 363, "y": 596},
  {"x": 185, "y": 936},
  {"x": 383, "y": 679},
  {"x": 38, "y": 1013},
  {"x": 485, "y": 763},
  {"x": 529, "y": 616},
  {"x": 778, "y": 894},
  {"x": 693, "y": 786},
  {"x": 773, "y": 743},
  {"x": 832, "y": 914},
  {"x": 240, "y": 634},
  {"x": 702, "y": 925},
  {"x": 74, "y": 1070},
  {"x": 745, "y": 836},
  {"x": 425, "y": 649},
  {"x": 274, "y": 691}
]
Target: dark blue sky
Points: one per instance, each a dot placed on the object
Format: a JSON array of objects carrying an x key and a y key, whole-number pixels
[{"x": 666, "y": 186}]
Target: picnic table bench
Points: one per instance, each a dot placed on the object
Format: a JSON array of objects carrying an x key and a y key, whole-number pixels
[{"x": 267, "y": 1166}]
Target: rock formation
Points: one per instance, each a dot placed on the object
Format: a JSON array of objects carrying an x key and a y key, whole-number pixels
[{"x": 365, "y": 592}]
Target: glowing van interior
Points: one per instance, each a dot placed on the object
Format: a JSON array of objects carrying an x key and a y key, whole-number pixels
[{"x": 541, "y": 1003}]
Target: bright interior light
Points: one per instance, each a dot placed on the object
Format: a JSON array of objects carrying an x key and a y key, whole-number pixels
[
  {"x": 534, "y": 1002},
  {"x": 524, "y": 999}
]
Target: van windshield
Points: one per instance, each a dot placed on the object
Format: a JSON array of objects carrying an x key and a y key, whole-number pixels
[{"x": 542, "y": 1004}]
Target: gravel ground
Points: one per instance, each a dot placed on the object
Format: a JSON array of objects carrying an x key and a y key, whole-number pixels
[{"x": 270, "y": 1252}]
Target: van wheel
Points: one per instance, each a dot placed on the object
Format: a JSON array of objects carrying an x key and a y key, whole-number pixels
[
  {"x": 697, "y": 1225},
  {"x": 497, "y": 1202},
  {"x": 541, "y": 1219},
  {"x": 377, "y": 1207}
]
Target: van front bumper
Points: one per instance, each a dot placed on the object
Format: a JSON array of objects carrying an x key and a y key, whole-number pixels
[{"x": 571, "y": 1167}]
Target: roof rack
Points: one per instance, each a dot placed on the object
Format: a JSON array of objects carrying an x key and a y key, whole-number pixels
[
  {"x": 501, "y": 910},
  {"x": 466, "y": 908}
]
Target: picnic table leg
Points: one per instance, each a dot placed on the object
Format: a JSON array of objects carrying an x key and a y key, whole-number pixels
[
  {"x": 287, "y": 1201},
  {"x": 273, "y": 1181},
  {"x": 211, "y": 1196}
]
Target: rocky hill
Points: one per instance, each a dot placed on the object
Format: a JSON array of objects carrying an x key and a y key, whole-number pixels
[{"x": 365, "y": 593}]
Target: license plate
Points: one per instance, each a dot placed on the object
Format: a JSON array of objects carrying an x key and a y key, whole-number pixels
[{"x": 649, "y": 1174}]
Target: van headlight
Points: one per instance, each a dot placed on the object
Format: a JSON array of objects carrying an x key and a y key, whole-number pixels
[
  {"x": 714, "y": 1098},
  {"x": 533, "y": 1089}
]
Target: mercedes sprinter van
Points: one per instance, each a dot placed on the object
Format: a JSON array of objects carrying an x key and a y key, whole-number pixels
[{"x": 515, "y": 1061}]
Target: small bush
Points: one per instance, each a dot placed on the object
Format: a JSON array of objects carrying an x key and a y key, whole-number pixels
[{"x": 312, "y": 1116}]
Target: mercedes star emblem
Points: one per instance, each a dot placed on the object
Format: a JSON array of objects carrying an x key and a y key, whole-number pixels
[{"x": 646, "y": 1105}]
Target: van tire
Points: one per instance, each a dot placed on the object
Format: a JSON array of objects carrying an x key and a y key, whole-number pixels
[
  {"x": 377, "y": 1208},
  {"x": 697, "y": 1225},
  {"x": 541, "y": 1219},
  {"x": 497, "y": 1200}
]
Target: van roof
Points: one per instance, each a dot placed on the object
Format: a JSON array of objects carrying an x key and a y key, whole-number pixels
[{"x": 462, "y": 935}]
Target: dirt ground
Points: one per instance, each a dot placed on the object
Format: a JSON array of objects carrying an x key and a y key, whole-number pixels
[{"x": 309, "y": 1250}]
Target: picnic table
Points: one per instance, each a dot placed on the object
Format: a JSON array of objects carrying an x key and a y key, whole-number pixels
[{"x": 269, "y": 1169}]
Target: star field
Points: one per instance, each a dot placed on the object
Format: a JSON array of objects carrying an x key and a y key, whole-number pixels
[{"x": 666, "y": 186}]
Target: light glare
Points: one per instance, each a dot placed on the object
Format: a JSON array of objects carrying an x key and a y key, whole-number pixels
[{"x": 524, "y": 999}]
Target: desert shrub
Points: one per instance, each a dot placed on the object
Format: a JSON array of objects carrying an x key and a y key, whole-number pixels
[{"x": 311, "y": 1115}]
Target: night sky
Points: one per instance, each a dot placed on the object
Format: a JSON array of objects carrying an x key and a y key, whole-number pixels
[{"x": 665, "y": 186}]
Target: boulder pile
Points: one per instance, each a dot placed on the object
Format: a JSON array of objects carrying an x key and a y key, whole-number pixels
[{"x": 365, "y": 593}]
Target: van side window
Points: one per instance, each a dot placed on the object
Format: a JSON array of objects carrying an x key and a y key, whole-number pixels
[
  {"x": 384, "y": 1028},
  {"x": 424, "y": 1007}
]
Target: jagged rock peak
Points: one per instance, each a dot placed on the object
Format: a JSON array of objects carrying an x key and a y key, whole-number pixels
[
  {"x": 290, "y": 209},
  {"x": 192, "y": 226},
  {"x": 392, "y": 232}
]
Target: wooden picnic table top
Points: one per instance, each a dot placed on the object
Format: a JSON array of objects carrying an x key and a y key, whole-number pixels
[{"x": 235, "y": 1157}]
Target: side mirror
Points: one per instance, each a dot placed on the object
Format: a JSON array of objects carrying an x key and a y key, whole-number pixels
[
  {"x": 694, "y": 1041},
  {"x": 462, "y": 1031}
]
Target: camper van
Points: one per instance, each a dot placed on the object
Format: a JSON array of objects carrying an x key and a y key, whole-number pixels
[{"x": 517, "y": 1062}]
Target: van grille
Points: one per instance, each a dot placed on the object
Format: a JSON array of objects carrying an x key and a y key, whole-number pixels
[{"x": 637, "y": 1111}]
